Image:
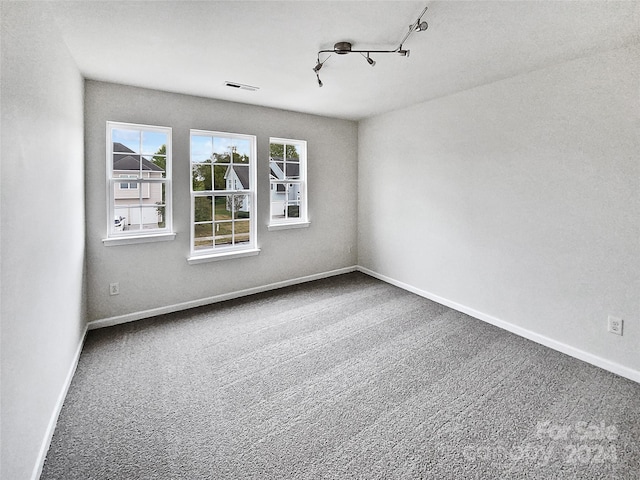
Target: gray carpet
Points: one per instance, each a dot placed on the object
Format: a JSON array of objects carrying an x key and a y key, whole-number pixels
[{"x": 346, "y": 377}]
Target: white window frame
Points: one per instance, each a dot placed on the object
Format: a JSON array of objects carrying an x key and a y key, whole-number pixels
[
  {"x": 223, "y": 252},
  {"x": 302, "y": 220},
  {"x": 126, "y": 237}
]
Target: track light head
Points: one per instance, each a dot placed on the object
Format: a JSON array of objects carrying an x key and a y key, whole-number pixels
[
  {"x": 421, "y": 26},
  {"x": 317, "y": 67},
  {"x": 404, "y": 53},
  {"x": 319, "y": 81},
  {"x": 369, "y": 60}
]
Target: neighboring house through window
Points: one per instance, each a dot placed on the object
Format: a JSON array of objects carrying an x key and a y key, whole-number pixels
[
  {"x": 288, "y": 183},
  {"x": 223, "y": 182},
  {"x": 141, "y": 206}
]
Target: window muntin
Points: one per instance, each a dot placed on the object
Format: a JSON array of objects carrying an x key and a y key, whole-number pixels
[
  {"x": 288, "y": 177},
  {"x": 223, "y": 192},
  {"x": 141, "y": 205}
]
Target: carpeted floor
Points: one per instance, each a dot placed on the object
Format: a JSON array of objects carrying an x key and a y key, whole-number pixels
[{"x": 346, "y": 377}]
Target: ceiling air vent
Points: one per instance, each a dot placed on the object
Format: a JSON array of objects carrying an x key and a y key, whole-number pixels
[{"x": 241, "y": 86}]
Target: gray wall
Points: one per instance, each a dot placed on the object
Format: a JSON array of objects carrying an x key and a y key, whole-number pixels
[
  {"x": 519, "y": 199},
  {"x": 42, "y": 224},
  {"x": 155, "y": 275}
]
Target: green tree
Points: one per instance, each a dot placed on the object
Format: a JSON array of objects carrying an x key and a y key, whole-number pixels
[
  {"x": 203, "y": 209},
  {"x": 276, "y": 150},
  {"x": 219, "y": 180},
  {"x": 160, "y": 159},
  {"x": 201, "y": 177},
  {"x": 234, "y": 204}
]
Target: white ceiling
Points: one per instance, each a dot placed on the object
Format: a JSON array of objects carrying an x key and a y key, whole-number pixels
[{"x": 194, "y": 47}]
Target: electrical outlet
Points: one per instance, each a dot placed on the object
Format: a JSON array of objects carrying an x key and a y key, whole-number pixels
[
  {"x": 615, "y": 325},
  {"x": 114, "y": 288}
]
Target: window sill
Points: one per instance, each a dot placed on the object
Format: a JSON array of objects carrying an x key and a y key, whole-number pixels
[
  {"x": 216, "y": 257},
  {"x": 157, "y": 237},
  {"x": 285, "y": 226}
]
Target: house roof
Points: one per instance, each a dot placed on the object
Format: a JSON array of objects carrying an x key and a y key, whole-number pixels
[
  {"x": 124, "y": 161},
  {"x": 293, "y": 169},
  {"x": 242, "y": 174}
]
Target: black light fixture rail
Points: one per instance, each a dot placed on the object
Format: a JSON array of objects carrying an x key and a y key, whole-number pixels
[{"x": 343, "y": 48}]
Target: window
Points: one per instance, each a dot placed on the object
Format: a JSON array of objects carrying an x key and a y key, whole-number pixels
[
  {"x": 288, "y": 178},
  {"x": 139, "y": 209},
  {"x": 223, "y": 198},
  {"x": 128, "y": 186}
]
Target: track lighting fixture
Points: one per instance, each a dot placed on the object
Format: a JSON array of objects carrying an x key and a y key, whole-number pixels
[
  {"x": 421, "y": 27},
  {"x": 343, "y": 48}
]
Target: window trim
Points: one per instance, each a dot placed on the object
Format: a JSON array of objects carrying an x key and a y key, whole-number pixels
[
  {"x": 226, "y": 251},
  {"x": 298, "y": 222},
  {"x": 138, "y": 236}
]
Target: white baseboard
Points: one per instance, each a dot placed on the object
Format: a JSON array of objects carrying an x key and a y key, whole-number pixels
[
  {"x": 48, "y": 435},
  {"x": 130, "y": 317},
  {"x": 603, "y": 363}
]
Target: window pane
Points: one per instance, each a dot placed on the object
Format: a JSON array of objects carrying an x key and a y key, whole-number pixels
[
  {"x": 278, "y": 201},
  {"x": 141, "y": 217},
  {"x": 201, "y": 148},
  {"x": 203, "y": 237},
  {"x": 155, "y": 165},
  {"x": 160, "y": 212},
  {"x": 133, "y": 217},
  {"x": 134, "y": 227},
  {"x": 294, "y": 193},
  {"x": 150, "y": 216},
  {"x": 119, "y": 223},
  {"x": 203, "y": 211},
  {"x": 220, "y": 177},
  {"x": 277, "y": 170},
  {"x": 223, "y": 207},
  {"x": 125, "y": 192},
  {"x": 154, "y": 193},
  {"x": 293, "y": 211},
  {"x": 222, "y": 149},
  {"x": 241, "y": 231},
  {"x": 125, "y": 140},
  {"x": 154, "y": 142},
  {"x": 224, "y": 233},
  {"x": 201, "y": 177},
  {"x": 276, "y": 150},
  {"x": 292, "y": 152},
  {"x": 292, "y": 170},
  {"x": 241, "y": 151},
  {"x": 241, "y": 207},
  {"x": 238, "y": 178},
  {"x": 126, "y": 164}
]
